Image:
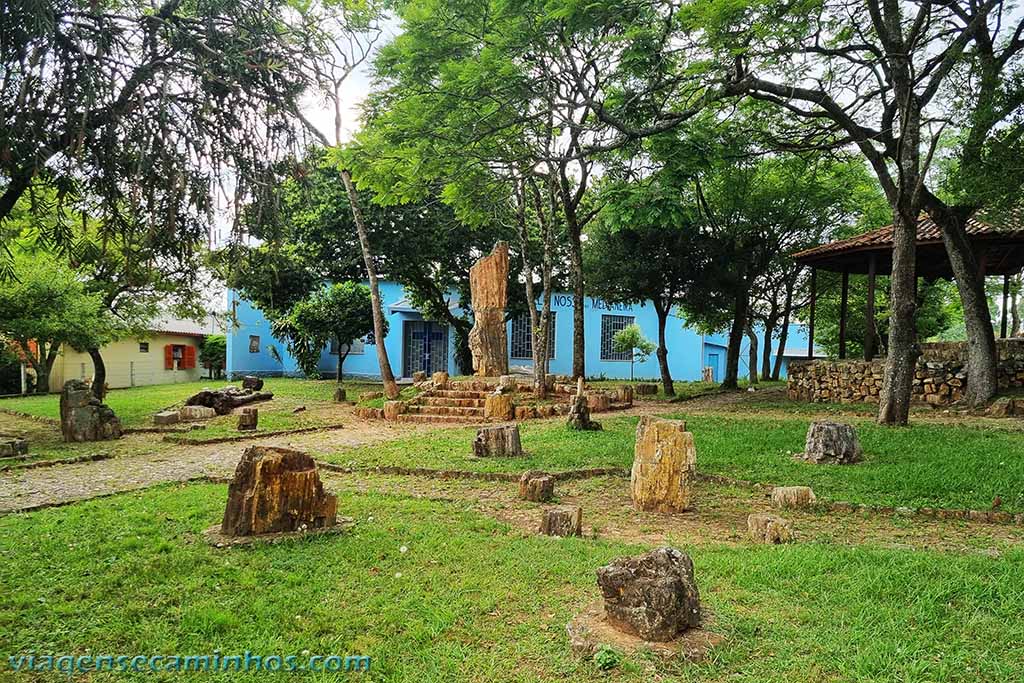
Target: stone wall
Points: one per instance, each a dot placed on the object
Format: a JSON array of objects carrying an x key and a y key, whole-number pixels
[{"x": 940, "y": 378}]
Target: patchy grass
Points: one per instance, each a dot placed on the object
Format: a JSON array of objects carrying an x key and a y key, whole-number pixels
[
  {"x": 474, "y": 600},
  {"x": 406, "y": 393},
  {"x": 924, "y": 465}
]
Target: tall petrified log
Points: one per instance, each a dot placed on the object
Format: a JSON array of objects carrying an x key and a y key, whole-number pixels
[
  {"x": 664, "y": 466},
  {"x": 488, "y": 283},
  {"x": 276, "y": 490}
]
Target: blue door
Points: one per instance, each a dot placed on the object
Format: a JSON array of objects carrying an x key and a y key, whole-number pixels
[
  {"x": 712, "y": 362},
  {"x": 425, "y": 347}
]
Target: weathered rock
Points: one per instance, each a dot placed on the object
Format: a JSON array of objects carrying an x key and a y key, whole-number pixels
[
  {"x": 498, "y": 442},
  {"x": 166, "y": 417},
  {"x": 1002, "y": 407},
  {"x": 646, "y": 389},
  {"x": 623, "y": 395},
  {"x": 832, "y": 442},
  {"x": 340, "y": 394},
  {"x": 562, "y": 521},
  {"x": 499, "y": 406},
  {"x": 488, "y": 342},
  {"x": 664, "y": 466},
  {"x": 392, "y": 409},
  {"x": 223, "y": 401},
  {"x": 197, "y": 413},
  {"x": 12, "y": 447},
  {"x": 765, "y": 528},
  {"x": 579, "y": 414},
  {"x": 83, "y": 417},
  {"x": 440, "y": 380},
  {"x": 252, "y": 383},
  {"x": 248, "y": 419},
  {"x": 653, "y": 595},
  {"x": 276, "y": 490},
  {"x": 371, "y": 395},
  {"x": 598, "y": 401},
  {"x": 536, "y": 486},
  {"x": 793, "y": 496}
]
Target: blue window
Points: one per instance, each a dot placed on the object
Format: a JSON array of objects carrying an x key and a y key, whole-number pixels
[
  {"x": 610, "y": 325},
  {"x": 521, "y": 340}
]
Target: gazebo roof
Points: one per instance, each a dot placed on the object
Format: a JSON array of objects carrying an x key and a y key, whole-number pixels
[{"x": 1003, "y": 243}]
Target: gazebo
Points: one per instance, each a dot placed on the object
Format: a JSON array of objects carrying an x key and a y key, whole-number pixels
[{"x": 998, "y": 248}]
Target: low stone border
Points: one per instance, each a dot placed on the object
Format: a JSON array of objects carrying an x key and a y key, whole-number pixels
[
  {"x": 984, "y": 516},
  {"x": 155, "y": 430},
  {"x": 215, "y": 538},
  {"x": 248, "y": 437},
  {"x": 565, "y": 475},
  {"x": 36, "y": 464},
  {"x": 30, "y": 416}
]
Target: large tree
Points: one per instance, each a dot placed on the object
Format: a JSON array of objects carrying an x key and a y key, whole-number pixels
[
  {"x": 888, "y": 79},
  {"x": 145, "y": 110}
]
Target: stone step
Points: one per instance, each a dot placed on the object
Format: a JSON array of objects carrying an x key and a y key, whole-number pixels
[
  {"x": 456, "y": 393},
  {"x": 451, "y": 402},
  {"x": 453, "y": 419},
  {"x": 445, "y": 410}
]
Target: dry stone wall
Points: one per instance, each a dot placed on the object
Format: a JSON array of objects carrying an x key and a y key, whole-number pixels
[{"x": 940, "y": 378}]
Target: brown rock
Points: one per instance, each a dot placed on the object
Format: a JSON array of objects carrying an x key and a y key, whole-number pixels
[
  {"x": 12, "y": 447},
  {"x": 598, "y": 402},
  {"x": 536, "y": 486},
  {"x": 623, "y": 395},
  {"x": 223, "y": 401},
  {"x": 653, "y": 595},
  {"x": 392, "y": 409},
  {"x": 664, "y": 466},
  {"x": 340, "y": 394},
  {"x": 83, "y": 417},
  {"x": 419, "y": 376},
  {"x": 440, "y": 380},
  {"x": 832, "y": 442},
  {"x": 793, "y": 496},
  {"x": 197, "y": 413},
  {"x": 646, "y": 389},
  {"x": 501, "y": 442},
  {"x": 488, "y": 342},
  {"x": 765, "y": 528},
  {"x": 252, "y": 383},
  {"x": 248, "y": 419},
  {"x": 562, "y": 521},
  {"x": 498, "y": 406},
  {"x": 275, "y": 490}
]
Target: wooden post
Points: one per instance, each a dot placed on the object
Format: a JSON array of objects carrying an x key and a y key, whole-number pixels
[
  {"x": 810, "y": 321},
  {"x": 844, "y": 301},
  {"x": 1006, "y": 300},
  {"x": 869, "y": 312}
]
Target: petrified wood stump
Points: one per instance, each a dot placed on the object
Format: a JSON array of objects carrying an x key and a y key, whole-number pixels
[
  {"x": 275, "y": 490},
  {"x": 579, "y": 414},
  {"x": 623, "y": 394},
  {"x": 12, "y": 447},
  {"x": 765, "y": 528},
  {"x": 340, "y": 394},
  {"x": 562, "y": 521},
  {"x": 664, "y": 466},
  {"x": 499, "y": 406},
  {"x": 440, "y": 380},
  {"x": 197, "y": 413},
  {"x": 646, "y": 389},
  {"x": 793, "y": 496},
  {"x": 598, "y": 402},
  {"x": 83, "y": 417},
  {"x": 653, "y": 595},
  {"x": 488, "y": 283},
  {"x": 248, "y": 419},
  {"x": 536, "y": 486},
  {"x": 832, "y": 442},
  {"x": 498, "y": 442}
]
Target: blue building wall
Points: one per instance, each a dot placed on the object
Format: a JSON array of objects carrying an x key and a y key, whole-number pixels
[{"x": 689, "y": 351}]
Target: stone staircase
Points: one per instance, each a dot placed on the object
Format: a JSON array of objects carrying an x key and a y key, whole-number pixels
[{"x": 445, "y": 405}]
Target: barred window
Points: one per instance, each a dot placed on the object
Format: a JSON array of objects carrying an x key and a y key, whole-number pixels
[
  {"x": 521, "y": 340},
  {"x": 610, "y": 325}
]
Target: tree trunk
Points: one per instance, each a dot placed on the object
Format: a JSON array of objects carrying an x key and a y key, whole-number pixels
[
  {"x": 901, "y": 359},
  {"x": 1015, "y": 307},
  {"x": 538, "y": 344},
  {"x": 766, "y": 351},
  {"x": 982, "y": 358},
  {"x": 662, "y": 353},
  {"x": 386, "y": 375},
  {"x": 732, "y": 355},
  {"x": 99, "y": 374},
  {"x": 787, "y": 310},
  {"x": 578, "y": 340},
  {"x": 752, "y": 354},
  {"x": 463, "y": 356}
]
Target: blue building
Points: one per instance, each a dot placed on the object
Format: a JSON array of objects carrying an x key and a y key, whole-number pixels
[{"x": 416, "y": 344}]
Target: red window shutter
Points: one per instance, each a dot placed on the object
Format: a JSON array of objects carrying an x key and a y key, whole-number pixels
[
  {"x": 169, "y": 357},
  {"x": 189, "y": 358}
]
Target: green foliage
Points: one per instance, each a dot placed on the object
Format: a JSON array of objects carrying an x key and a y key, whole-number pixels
[
  {"x": 632, "y": 341},
  {"x": 606, "y": 658},
  {"x": 341, "y": 312},
  {"x": 214, "y": 353}
]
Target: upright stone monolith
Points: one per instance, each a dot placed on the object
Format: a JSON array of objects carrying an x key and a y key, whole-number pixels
[
  {"x": 83, "y": 417},
  {"x": 664, "y": 466},
  {"x": 488, "y": 342}
]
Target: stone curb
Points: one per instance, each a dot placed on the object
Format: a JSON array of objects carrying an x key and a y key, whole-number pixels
[
  {"x": 201, "y": 478},
  {"x": 30, "y": 416},
  {"x": 37, "y": 464},
  {"x": 466, "y": 474},
  {"x": 248, "y": 437}
]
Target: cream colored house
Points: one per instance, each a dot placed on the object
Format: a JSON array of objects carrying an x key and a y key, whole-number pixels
[{"x": 168, "y": 354}]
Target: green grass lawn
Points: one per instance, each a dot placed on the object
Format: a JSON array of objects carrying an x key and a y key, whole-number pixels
[
  {"x": 924, "y": 465},
  {"x": 474, "y": 600}
]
